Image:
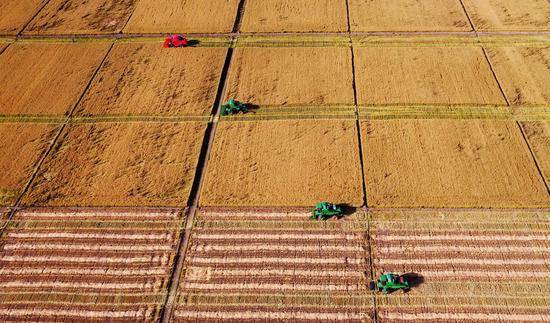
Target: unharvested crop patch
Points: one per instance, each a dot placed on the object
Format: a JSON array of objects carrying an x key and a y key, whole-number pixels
[
  {"x": 523, "y": 73},
  {"x": 21, "y": 147},
  {"x": 283, "y": 163},
  {"x": 46, "y": 78},
  {"x": 407, "y": 15},
  {"x": 191, "y": 16},
  {"x": 295, "y": 16},
  {"x": 145, "y": 79},
  {"x": 291, "y": 76},
  {"x": 476, "y": 266},
  {"x": 538, "y": 135},
  {"x": 15, "y": 13},
  {"x": 425, "y": 75},
  {"x": 86, "y": 265},
  {"x": 120, "y": 164},
  {"x": 259, "y": 266},
  {"x": 449, "y": 163},
  {"x": 508, "y": 15},
  {"x": 81, "y": 17}
]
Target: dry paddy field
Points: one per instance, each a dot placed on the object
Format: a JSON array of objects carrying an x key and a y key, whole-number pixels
[
  {"x": 15, "y": 13},
  {"x": 86, "y": 265},
  {"x": 146, "y": 79},
  {"x": 538, "y": 135},
  {"x": 476, "y": 266},
  {"x": 260, "y": 266},
  {"x": 507, "y": 15}
]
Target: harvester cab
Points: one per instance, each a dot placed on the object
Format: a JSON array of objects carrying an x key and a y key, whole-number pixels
[
  {"x": 389, "y": 282},
  {"x": 175, "y": 41},
  {"x": 233, "y": 107},
  {"x": 325, "y": 211}
]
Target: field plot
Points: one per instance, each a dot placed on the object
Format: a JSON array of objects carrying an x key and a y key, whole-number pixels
[
  {"x": 508, "y": 15},
  {"x": 407, "y": 15},
  {"x": 145, "y": 79},
  {"x": 15, "y": 13},
  {"x": 120, "y": 164},
  {"x": 46, "y": 78},
  {"x": 21, "y": 147},
  {"x": 275, "y": 266},
  {"x": 425, "y": 75},
  {"x": 81, "y": 17},
  {"x": 190, "y": 16},
  {"x": 291, "y": 76},
  {"x": 295, "y": 16},
  {"x": 538, "y": 135},
  {"x": 523, "y": 73},
  {"x": 251, "y": 161},
  {"x": 449, "y": 163},
  {"x": 88, "y": 265},
  {"x": 475, "y": 266}
]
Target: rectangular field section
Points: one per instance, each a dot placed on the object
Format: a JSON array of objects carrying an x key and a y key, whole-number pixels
[
  {"x": 21, "y": 147},
  {"x": 425, "y": 75},
  {"x": 15, "y": 13},
  {"x": 468, "y": 266},
  {"x": 538, "y": 135},
  {"x": 190, "y": 16},
  {"x": 120, "y": 164},
  {"x": 283, "y": 163},
  {"x": 146, "y": 79},
  {"x": 295, "y": 16},
  {"x": 266, "y": 266},
  {"x": 523, "y": 73},
  {"x": 407, "y": 15},
  {"x": 507, "y": 15},
  {"x": 46, "y": 78},
  {"x": 291, "y": 76},
  {"x": 87, "y": 265},
  {"x": 449, "y": 163},
  {"x": 81, "y": 17}
]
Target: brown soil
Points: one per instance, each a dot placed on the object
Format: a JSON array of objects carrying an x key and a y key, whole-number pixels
[
  {"x": 449, "y": 163},
  {"x": 508, "y": 15},
  {"x": 323, "y": 157},
  {"x": 46, "y": 78},
  {"x": 190, "y": 16},
  {"x": 538, "y": 135},
  {"x": 82, "y": 17},
  {"x": 21, "y": 147},
  {"x": 129, "y": 164},
  {"x": 295, "y": 16},
  {"x": 407, "y": 15},
  {"x": 523, "y": 73},
  {"x": 287, "y": 76},
  {"x": 15, "y": 13},
  {"x": 145, "y": 79},
  {"x": 425, "y": 75}
]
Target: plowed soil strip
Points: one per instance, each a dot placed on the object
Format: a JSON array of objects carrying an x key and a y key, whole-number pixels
[{"x": 466, "y": 317}]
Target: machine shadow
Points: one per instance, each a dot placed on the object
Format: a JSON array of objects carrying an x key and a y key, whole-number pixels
[
  {"x": 346, "y": 210},
  {"x": 414, "y": 279}
]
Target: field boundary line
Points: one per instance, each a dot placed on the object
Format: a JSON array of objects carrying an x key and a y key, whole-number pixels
[
  {"x": 130, "y": 16},
  {"x": 370, "y": 247},
  {"x": 25, "y": 25},
  {"x": 239, "y": 16},
  {"x": 468, "y": 16},
  {"x": 2, "y": 50}
]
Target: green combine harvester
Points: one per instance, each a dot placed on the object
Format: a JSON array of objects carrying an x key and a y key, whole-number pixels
[
  {"x": 233, "y": 107},
  {"x": 390, "y": 282},
  {"x": 325, "y": 211}
]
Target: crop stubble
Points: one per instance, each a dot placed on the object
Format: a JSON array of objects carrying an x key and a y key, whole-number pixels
[
  {"x": 538, "y": 135},
  {"x": 509, "y": 15},
  {"x": 425, "y": 75},
  {"x": 62, "y": 265},
  {"x": 449, "y": 163},
  {"x": 274, "y": 265},
  {"x": 120, "y": 164},
  {"x": 145, "y": 79},
  {"x": 15, "y": 13},
  {"x": 283, "y": 163},
  {"x": 46, "y": 78}
]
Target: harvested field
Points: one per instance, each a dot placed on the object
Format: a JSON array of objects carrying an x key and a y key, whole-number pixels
[
  {"x": 295, "y": 16},
  {"x": 250, "y": 163},
  {"x": 21, "y": 147},
  {"x": 190, "y": 16},
  {"x": 15, "y": 13},
  {"x": 475, "y": 266},
  {"x": 81, "y": 17},
  {"x": 538, "y": 135},
  {"x": 425, "y": 75},
  {"x": 507, "y": 15},
  {"x": 124, "y": 164},
  {"x": 89, "y": 265},
  {"x": 46, "y": 78},
  {"x": 523, "y": 73},
  {"x": 407, "y": 15},
  {"x": 275, "y": 266},
  {"x": 145, "y": 79},
  {"x": 291, "y": 76},
  {"x": 449, "y": 163}
]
